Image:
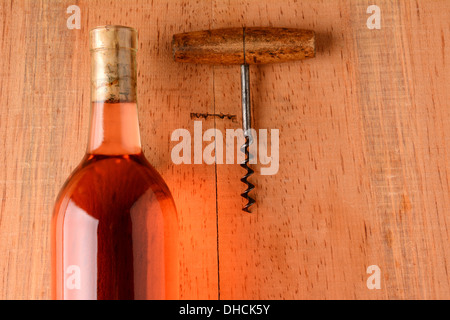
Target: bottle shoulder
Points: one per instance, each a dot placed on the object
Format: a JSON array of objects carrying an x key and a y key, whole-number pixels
[{"x": 114, "y": 184}]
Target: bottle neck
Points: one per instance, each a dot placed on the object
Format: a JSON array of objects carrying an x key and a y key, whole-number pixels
[{"x": 114, "y": 127}]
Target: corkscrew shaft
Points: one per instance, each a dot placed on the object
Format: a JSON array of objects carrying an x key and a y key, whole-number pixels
[
  {"x": 245, "y": 93},
  {"x": 246, "y": 127}
]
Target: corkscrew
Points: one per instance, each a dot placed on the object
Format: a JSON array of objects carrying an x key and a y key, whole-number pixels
[
  {"x": 247, "y": 130},
  {"x": 244, "y": 46}
]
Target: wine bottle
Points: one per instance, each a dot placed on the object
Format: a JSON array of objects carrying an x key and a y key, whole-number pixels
[{"x": 114, "y": 226}]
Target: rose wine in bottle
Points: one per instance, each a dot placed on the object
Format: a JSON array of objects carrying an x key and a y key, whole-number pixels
[{"x": 114, "y": 226}]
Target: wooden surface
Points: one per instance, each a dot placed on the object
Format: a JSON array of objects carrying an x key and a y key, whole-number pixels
[{"x": 364, "y": 147}]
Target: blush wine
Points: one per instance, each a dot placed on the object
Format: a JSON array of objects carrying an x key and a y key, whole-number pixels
[{"x": 114, "y": 226}]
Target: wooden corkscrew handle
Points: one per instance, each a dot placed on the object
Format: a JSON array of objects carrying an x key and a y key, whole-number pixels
[{"x": 247, "y": 45}]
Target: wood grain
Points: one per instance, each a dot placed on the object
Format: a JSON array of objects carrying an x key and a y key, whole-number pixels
[
  {"x": 362, "y": 180},
  {"x": 364, "y": 158},
  {"x": 44, "y": 128}
]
